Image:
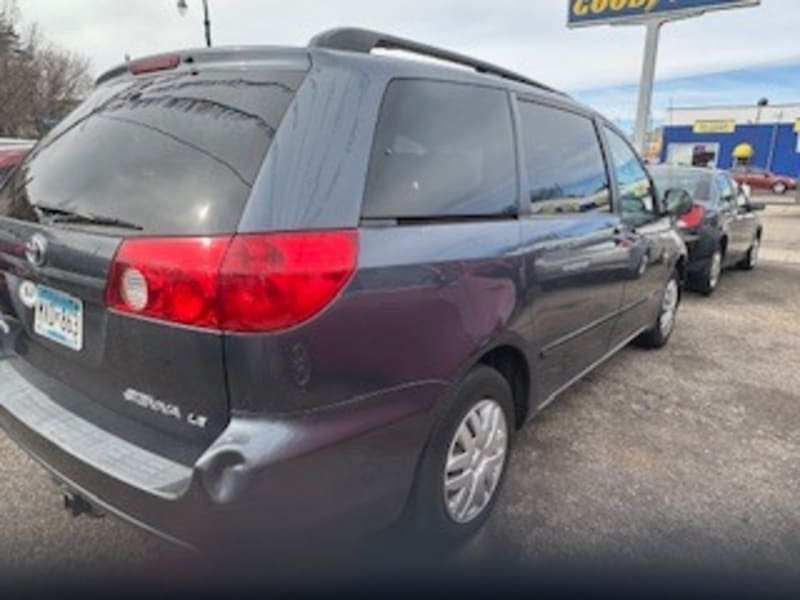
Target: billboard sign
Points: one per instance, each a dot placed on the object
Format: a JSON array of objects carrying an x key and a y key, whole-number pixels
[
  {"x": 714, "y": 126},
  {"x": 584, "y": 13}
]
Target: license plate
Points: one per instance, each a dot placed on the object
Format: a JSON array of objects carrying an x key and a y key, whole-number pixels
[{"x": 58, "y": 317}]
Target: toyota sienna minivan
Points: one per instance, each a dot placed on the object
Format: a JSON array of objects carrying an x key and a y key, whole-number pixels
[{"x": 259, "y": 290}]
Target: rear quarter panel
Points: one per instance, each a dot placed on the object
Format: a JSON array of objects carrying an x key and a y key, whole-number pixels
[
  {"x": 426, "y": 299},
  {"x": 425, "y": 302}
]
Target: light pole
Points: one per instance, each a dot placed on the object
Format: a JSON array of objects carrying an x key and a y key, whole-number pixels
[
  {"x": 183, "y": 8},
  {"x": 773, "y": 142},
  {"x": 761, "y": 104}
]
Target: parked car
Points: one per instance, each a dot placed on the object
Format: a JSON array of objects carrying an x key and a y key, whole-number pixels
[
  {"x": 761, "y": 179},
  {"x": 271, "y": 291},
  {"x": 721, "y": 230},
  {"x": 12, "y": 153}
]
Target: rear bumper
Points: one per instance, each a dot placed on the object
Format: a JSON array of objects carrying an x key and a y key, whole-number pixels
[
  {"x": 700, "y": 249},
  {"x": 345, "y": 470}
]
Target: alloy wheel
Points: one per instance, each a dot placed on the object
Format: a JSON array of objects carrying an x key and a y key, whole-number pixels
[
  {"x": 669, "y": 307},
  {"x": 475, "y": 461},
  {"x": 755, "y": 250},
  {"x": 715, "y": 270}
]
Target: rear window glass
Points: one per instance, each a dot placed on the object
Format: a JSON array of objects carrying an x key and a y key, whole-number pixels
[
  {"x": 442, "y": 150},
  {"x": 698, "y": 185},
  {"x": 174, "y": 154}
]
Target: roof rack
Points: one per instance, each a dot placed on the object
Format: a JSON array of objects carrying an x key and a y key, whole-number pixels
[{"x": 363, "y": 40}]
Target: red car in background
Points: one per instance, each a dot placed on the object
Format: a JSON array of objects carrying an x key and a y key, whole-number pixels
[
  {"x": 761, "y": 179},
  {"x": 12, "y": 152}
]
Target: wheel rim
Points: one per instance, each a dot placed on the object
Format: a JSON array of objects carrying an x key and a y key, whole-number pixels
[
  {"x": 669, "y": 307},
  {"x": 779, "y": 188},
  {"x": 754, "y": 252},
  {"x": 715, "y": 271},
  {"x": 475, "y": 461}
]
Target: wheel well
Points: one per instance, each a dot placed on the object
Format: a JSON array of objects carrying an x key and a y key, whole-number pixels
[
  {"x": 513, "y": 366},
  {"x": 723, "y": 244}
]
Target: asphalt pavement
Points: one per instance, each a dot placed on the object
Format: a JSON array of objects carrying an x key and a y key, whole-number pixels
[{"x": 687, "y": 455}]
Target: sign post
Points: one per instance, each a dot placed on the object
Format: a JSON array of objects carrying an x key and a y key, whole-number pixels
[
  {"x": 646, "y": 86},
  {"x": 653, "y": 14}
]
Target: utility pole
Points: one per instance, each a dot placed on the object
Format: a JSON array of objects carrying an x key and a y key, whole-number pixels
[{"x": 773, "y": 142}]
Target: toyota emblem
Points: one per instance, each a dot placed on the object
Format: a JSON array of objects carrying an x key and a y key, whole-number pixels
[{"x": 36, "y": 250}]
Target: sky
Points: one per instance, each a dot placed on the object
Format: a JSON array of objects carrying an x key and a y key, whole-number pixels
[
  {"x": 779, "y": 83},
  {"x": 751, "y": 52}
]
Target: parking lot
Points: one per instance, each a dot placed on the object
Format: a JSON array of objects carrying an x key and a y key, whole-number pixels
[{"x": 684, "y": 455}]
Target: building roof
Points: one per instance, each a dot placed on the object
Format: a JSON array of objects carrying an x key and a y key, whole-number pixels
[{"x": 743, "y": 115}]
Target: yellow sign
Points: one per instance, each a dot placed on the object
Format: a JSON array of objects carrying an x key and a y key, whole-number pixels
[
  {"x": 744, "y": 151},
  {"x": 797, "y": 126},
  {"x": 718, "y": 126}
]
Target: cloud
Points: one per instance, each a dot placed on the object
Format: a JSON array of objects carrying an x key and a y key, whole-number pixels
[
  {"x": 778, "y": 83},
  {"x": 526, "y": 35}
]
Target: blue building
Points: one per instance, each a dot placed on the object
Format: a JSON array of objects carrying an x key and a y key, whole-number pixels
[{"x": 766, "y": 137}]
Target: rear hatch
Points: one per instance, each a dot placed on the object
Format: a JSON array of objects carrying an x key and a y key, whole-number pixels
[{"x": 170, "y": 154}]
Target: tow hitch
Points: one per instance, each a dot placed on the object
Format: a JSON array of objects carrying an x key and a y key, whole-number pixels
[{"x": 77, "y": 505}]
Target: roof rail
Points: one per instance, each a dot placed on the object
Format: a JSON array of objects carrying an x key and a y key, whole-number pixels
[{"x": 364, "y": 40}]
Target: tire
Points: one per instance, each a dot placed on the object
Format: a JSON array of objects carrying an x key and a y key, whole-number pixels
[
  {"x": 431, "y": 517},
  {"x": 658, "y": 335},
  {"x": 750, "y": 261},
  {"x": 779, "y": 188},
  {"x": 707, "y": 281}
]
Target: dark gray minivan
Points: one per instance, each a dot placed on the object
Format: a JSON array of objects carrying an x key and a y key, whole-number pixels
[{"x": 259, "y": 290}]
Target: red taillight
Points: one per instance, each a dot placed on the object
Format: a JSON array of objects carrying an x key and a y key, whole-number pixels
[
  {"x": 157, "y": 63},
  {"x": 693, "y": 218},
  {"x": 168, "y": 279},
  {"x": 246, "y": 283}
]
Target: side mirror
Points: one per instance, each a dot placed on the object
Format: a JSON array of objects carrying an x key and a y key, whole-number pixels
[
  {"x": 678, "y": 202},
  {"x": 756, "y": 206}
]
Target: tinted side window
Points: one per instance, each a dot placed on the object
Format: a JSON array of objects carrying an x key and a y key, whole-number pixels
[
  {"x": 564, "y": 162},
  {"x": 635, "y": 189},
  {"x": 442, "y": 149}
]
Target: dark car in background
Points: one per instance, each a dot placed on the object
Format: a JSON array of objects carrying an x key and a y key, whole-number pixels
[
  {"x": 722, "y": 228},
  {"x": 261, "y": 292},
  {"x": 763, "y": 180}
]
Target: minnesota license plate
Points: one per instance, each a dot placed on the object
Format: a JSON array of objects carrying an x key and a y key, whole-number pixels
[{"x": 58, "y": 317}]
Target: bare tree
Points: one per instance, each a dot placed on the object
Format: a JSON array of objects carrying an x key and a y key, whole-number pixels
[{"x": 39, "y": 82}]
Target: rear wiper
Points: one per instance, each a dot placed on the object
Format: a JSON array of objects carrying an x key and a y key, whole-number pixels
[{"x": 63, "y": 216}]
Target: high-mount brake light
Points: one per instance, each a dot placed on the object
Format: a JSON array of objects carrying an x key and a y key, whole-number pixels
[
  {"x": 157, "y": 63},
  {"x": 243, "y": 283}
]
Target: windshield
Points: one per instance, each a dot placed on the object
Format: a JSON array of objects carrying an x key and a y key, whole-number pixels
[
  {"x": 174, "y": 154},
  {"x": 696, "y": 183}
]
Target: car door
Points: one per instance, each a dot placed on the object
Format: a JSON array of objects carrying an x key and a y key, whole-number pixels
[
  {"x": 744, "y": 226},
  {"x": 726, "y": 214},
  {"x": 731, "y": 225},
  {"x": 574, "y": 265},
  {"x": 644, "y": 230}
]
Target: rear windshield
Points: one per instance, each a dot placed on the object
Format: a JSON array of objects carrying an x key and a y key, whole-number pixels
[
  {"x": 697, "y": 184},
  {"x": 175, "y": 154}
]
